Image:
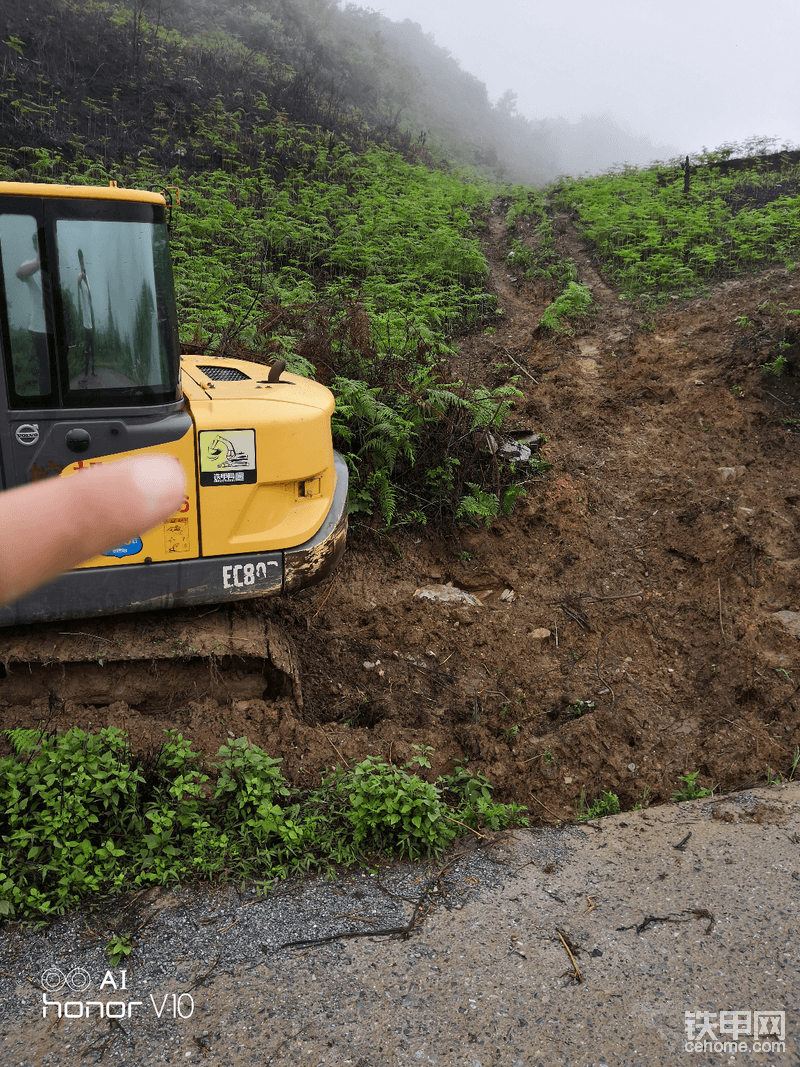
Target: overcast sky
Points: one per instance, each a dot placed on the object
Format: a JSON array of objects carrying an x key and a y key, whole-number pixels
[{"x": 687, "y": 73}]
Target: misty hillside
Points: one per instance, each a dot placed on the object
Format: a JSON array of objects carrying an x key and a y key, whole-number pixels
[{"x": 163, "y": 80}]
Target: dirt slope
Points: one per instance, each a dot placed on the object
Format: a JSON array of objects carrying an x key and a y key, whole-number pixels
[{"x": 657, "y": 552}]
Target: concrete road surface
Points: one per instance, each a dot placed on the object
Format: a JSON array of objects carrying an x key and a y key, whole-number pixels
[{"x": 667, "y": 936}]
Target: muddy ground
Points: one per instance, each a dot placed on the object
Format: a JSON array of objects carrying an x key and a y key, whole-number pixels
[{"x": 657, "y": 553}]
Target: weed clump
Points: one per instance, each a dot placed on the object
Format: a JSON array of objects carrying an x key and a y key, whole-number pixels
[
  {"x": 606, "y": 804},
  {"x": 690, "y": 790},
  {"x": 82, "y": 816}
]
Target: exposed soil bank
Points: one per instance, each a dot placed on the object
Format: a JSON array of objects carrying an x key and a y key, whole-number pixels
[{"x": 660, "y": 552}]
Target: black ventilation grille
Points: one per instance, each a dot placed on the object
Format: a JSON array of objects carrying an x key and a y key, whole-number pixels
[{"x": 224, "y": 374}]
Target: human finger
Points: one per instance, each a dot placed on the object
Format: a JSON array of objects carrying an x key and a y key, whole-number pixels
[{"x": 50, "y": 527}]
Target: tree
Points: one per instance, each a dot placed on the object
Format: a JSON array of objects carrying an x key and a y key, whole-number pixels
[{"x": 507, "y": 104}]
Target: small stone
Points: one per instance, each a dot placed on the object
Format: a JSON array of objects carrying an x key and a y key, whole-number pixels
[
  {"x": 730, "y": 474},
  {"x": 539, "y": 638},
  {"x": 790, "y": 619},
  {"x": 447, "y": 594}
]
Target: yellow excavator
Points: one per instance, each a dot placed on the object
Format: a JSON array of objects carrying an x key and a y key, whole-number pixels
[{"x": 92, "y": 373}]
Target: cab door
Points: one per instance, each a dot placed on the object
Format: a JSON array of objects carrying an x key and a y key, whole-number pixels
[{"x": 88, "y": 332}]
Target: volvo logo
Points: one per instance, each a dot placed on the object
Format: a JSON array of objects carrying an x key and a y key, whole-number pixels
[{"x": 28, "y": 433}]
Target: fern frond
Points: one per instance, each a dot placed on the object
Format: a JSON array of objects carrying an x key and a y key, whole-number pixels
[
  {"x": 478, "y": 504},
  {"x": 23, "y": 739}
]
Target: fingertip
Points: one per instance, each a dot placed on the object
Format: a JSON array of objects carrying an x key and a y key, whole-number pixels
[{"x": 161, "y": 483}]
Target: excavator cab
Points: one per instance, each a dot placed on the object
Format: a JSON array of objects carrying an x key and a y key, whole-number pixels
[{"x": 91, "y": 373}]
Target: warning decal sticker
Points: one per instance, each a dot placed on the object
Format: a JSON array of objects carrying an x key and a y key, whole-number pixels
[
  {"x": 227, "y": 457},
  {"x": 176, "y": 535}
]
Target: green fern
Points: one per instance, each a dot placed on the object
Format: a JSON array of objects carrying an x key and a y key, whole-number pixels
[
  {"x": 363, "y": 418},
  {"x": 478, "y": 505},
  {"x": 510, "y": 498},
  {"x": 386, "y": 492},
  {"x": 573, "y": 303},
  {"x": 23, "y": 739},
  {"x": 490, "y": 406}
]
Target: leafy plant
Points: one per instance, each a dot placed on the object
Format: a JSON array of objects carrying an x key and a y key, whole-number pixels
[
  {"x": 641, "y": 800},
  {"x": 390, "y": 808},
  {"x": 690, "y": 790},
  {"x": 579, "y": 707},
  {"x": 477, "y": 505},
  {"x": 475, "y": 806},
  {"x": 119, "y": 948},
  {"x": 776, "y": 367},
  {"x": 23, "y": 739},
  {"x": 79, "y": 815},
  {"x": 575, "y": 302},
  {"x": 606, "y": 804},
  {"x": 422, "y": 757}
]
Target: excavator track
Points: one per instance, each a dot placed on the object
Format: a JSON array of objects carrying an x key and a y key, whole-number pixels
[{"x": 156, "y": 662}]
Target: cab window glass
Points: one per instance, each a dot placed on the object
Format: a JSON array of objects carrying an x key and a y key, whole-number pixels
[
  {"x": 26, "y": 285},
  {"x": 116, "y": 318}
]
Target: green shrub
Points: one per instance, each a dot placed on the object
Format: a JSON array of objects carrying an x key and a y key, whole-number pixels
[
  {"x": 475, "y": 807},
  {"x": 67, "y": 812},
  {"x": 390, "y": 809}
]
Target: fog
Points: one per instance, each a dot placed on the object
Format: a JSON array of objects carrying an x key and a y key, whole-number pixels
[{"x": 686, "y": 74}]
